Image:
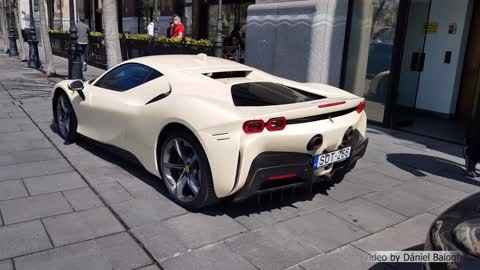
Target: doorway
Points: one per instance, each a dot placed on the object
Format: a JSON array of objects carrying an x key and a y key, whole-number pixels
[
  {"x": 416, "y": 62},
  {"x": 427, "y": 93}
]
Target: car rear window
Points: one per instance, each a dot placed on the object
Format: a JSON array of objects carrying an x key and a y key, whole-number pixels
[{"x": 267, "y": 93}]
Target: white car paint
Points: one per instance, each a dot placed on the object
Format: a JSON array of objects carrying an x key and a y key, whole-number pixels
[{"x": 205, "y": 106}]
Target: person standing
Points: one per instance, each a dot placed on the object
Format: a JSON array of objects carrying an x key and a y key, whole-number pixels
[
  {"x": 82, "y": 32},
  {"x": 472, "y": 142},
  {"x": 151, "y": 29},
  {"x": 178, "y": 27}
]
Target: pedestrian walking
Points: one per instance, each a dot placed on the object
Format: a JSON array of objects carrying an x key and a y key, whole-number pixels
[
  {"x": 178, "y": 27},
  {"x": 151, "y": 29},
  {"x": 82, "y": 33},
  {"x": 472, "y": 139}
]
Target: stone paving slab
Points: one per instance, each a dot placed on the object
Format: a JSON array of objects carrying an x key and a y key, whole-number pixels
[
  {"x": 207, "y": 229},
  {"x": 412, "y": 233},
  {"x": 23, "y": 238},
  {"x": 272, "y": 248},
  {"x": 29, "y": 156},
  {"x": 84, "y": 255},
  {"x": 122, "y": 252},
  {"x": 150, "y": 267},
  {"x": 143, "y": 211},
  {"x": 346, "y": 190},
  {"x": 80, "y": 226},
  {"x": 366, "y": 215},
  {"x": 319, "y": 201},
  {"x": 22, "y": 141},
  {"x": 82, "y": 199},
  {"x": 35, "y": 207},
  {"x": 402, "y": 202},
  {"x": 53, "y": 183},
  {"x": 113, "y": 192},
  {"x": 455, "y": 181},
  {"x": 40, "y": 168},
  {"x": 104, "y": 174},
  {"x": 346, "y": 257},
  {"x": 160, "y": 241},
  {"x": 12, "y": 190},
  {"x": 6, "y": 265},
  {"x": 323, "y": 230},
  {"x": 261, "y": 219},
  {"x": 373, "y": 180},
  {"x": 216, "y": 257}
]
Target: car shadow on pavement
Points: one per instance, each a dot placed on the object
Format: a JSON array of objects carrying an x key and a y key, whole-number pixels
[
  {"x": 423, "y": 165},
  {"x": 276, "y": 201},
  {"x": 257, "y": 204},
  {"x": 120, "y": 158}
]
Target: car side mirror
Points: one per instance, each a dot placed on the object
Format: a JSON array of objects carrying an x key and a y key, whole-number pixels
[{"x": 76, "y": 85}]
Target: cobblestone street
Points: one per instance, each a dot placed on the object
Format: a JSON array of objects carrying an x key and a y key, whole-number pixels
[{"x": 84, "y": 206}]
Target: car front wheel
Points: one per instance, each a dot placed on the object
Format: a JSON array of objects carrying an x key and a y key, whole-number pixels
[{"x": 65, "y": 119}]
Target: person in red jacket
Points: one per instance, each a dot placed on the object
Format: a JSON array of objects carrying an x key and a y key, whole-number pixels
[{"x": 178, "y": 29}]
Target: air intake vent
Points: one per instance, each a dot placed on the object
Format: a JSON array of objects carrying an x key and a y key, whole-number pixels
[{"x": 228, "y": 74}]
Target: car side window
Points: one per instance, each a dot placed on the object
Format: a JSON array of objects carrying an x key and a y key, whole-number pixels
[{"x": 127, "y": 76}]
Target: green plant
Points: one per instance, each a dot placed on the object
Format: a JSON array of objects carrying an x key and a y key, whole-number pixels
[
  {"x": 96, "y": 34},
  {"x": 56, "y": 31},
  {"x": 137, "y": 36}
]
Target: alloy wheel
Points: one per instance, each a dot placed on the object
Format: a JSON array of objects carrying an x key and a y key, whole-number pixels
[
  {"x": 63, "y": 116},
  {"x": 181, "y": 169}
]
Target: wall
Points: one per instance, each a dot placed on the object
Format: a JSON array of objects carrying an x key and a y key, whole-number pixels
[
  {"x": 299, "y": 40},
  {"x": 439, "y": 82}
]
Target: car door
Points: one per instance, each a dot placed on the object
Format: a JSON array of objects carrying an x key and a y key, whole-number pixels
[{"x": 106, "y": 108}]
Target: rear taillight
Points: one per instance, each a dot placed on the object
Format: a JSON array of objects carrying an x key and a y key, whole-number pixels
[
  {"x": 254, "y": 126},
  {"x": 361, "y": 106},
  {"x": 257, "y": 126},
  {"x": 275, "y": 124}
]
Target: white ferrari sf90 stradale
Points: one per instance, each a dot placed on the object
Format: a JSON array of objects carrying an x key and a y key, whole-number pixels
[{"x": 212, "y": 128}]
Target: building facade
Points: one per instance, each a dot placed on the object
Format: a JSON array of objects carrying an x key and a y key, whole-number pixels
[
  {"x": 198, "y": 16},
  {"x": 417, "y": 62}
]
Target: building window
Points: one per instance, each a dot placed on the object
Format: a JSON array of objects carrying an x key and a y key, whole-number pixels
[{"x": 369, "y": 50}]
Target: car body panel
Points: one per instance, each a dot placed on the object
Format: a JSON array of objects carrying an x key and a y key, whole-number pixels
[{"x": 204, "y": 105}]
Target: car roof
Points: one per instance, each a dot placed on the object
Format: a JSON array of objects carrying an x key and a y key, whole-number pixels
[{"x": 200, "y": 62}]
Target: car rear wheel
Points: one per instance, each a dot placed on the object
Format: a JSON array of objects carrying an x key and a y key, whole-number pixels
[
  {"x": 65, "y": 118},
  {"x": 185, "y": 170}
]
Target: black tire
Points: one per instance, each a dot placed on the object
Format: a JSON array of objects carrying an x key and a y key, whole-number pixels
[
  {"x": 206, "y": 194},
  {"x": 70, "y": 134}
]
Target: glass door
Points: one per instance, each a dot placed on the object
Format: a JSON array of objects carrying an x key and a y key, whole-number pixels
[
  {"x": 370, "y": 47},
  {"x": 405, "y": 84}
]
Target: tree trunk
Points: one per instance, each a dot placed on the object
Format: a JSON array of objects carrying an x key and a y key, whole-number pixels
[
  {"x": 47, "y": 46},
  {"x": 4, "y": 24},
  {"x": 112, "y": 42},
  {"x": 22, "y": 54}
]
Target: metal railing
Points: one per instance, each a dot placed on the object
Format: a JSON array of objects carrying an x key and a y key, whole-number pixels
[{"x": 132, "y": 48}]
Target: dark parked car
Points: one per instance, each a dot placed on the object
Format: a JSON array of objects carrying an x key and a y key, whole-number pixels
[{"x": 457, "y": 230}]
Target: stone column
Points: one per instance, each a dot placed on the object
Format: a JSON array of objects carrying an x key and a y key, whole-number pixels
[
  {"x": 299, "y": 40},
  {"x": 358, "y": 46}
]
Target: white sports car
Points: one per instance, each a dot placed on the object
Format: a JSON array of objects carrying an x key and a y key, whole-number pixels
[{"x": 212, "y": 128}]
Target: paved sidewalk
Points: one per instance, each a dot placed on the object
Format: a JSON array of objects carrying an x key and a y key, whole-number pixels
[{"x": 79, "y": 206}]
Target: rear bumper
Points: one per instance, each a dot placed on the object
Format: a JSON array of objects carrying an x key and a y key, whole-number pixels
[{"x": 272, "y": 171}]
